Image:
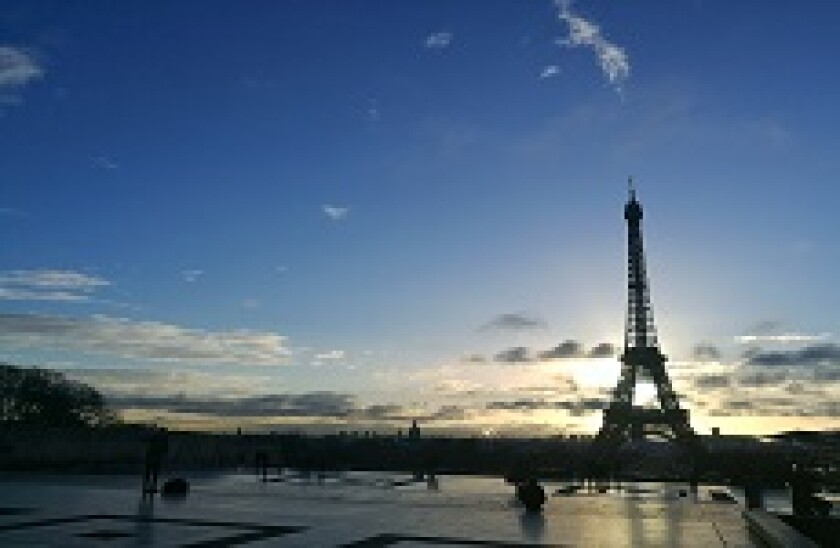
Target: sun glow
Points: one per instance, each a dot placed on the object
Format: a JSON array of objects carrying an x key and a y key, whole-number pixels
[
  {"x": 594, "y": 373},
  {"x": 645, "y": 394}
]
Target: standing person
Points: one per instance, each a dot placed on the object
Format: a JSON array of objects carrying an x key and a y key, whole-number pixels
[
  {"x": 261, "y": 460},
  {"x": 157, "y": 446}
]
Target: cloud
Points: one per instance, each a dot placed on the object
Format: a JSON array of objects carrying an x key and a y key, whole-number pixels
[
  {"x": 517, "y": 354},
  {"x": 514, "y": 322},
  {"x": 142, "y": 340},
  {"x": 449, "y": 413},
  {"x": 573, "y": 349},
  {"x": 18, "y": 68},
  {"x": 15, "y": 294},
  {"x": 781, "y": 338},
  {"x": 706, "y": 352},
  {"x": 131, "y": 382},
  {"x": 191, "y": 275},
  {"x": 785, "y": 406},
  {"x": 373, "y": 112},
  {"x": 331, "y": 355},
  {"x": 613, "y": 60},
  {"x": 566, "y": 349},
  {"x": 826, "y": 374},
  {"x": 51, "y": 279},
  {"x": 312, "y": 404},
  {"x": 103, "y": 162},
  {"x": 760, "y": 379},
  {"x": 815, "y": 355},
  {"x": 770, "y": 332},
  {"x": 11, "y": 212},
  {"x": 708, "y": 381},
  {"x": 319, "y": 405},
  {"x": 473, "y": 358},
  {"x": 549, "y": 71},
  {"x": 569, "y": 349},
  {"x": 48, "y": 285},
  {"x": 576, "y": 406},
  {"x": 336, "y": 213},
  {"x": 766, "y": 327},
  {"x": 439, "y": 40},
  {"x": 603, "y": 350}
]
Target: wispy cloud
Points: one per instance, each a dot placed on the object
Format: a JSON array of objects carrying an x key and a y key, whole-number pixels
[
  {"x": 18, "y": 68},
  {"x": 566, "y": 350},
  {"x": 576, "y": 407},
  {"x": 336, "y": 213},
  {"x": 516, "y": 354},
  {"x": 781, "y": 338},
  {"x": 814, "y": 355},
  {"x": 603, "y": 350},
  {"x": 439, "y": 40},
  {"x": 514, "y": 321},
  {"x": 104, "y": 162},
  {"x": 330, "y": 355},
  {"x": 44, "y": 278},
  {"x": 341, "y": 407},
  {"x": 373, "y": 112},
  {"x": 48, "y": 285},
  {"x": 142, "y": 340},
  {"x": 573, "y": 349},
  {"x": 549, "y": 72},
  {"x": 11, "y": 212},
  {"x": 191, "y": 275},
  {"x": 712, "y": 381},
  {"x": 706, "y": 352},
  {"x": 19, "y": 294},
  {"x": 130, "y": 382},
  {"x": 612, "y": 59}
]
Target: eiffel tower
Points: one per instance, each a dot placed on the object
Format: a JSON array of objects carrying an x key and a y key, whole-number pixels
[{"x": 642, "y": 359}]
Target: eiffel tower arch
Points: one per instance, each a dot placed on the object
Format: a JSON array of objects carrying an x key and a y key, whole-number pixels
[{"x": 623, "y": 419}]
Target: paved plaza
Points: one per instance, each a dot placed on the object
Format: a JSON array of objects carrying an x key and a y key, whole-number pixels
[{"x": 362, "y": 510}]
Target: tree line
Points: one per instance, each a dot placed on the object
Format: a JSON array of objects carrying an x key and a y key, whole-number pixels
[{"x": 42, "y": 397}]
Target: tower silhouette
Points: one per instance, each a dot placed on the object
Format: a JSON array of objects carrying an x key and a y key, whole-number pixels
[{"x": 642, "y": 359}]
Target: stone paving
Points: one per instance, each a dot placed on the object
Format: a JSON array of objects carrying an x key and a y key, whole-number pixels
[{"x": 235, "y": 510}]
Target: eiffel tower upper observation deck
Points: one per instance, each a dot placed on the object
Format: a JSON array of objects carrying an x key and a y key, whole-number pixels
[{"x": 642, "y": 358}]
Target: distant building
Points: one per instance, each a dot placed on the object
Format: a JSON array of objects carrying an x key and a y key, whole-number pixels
[
  {"x": 716, "y": 431},
  {"x": 414, "y": 431}
]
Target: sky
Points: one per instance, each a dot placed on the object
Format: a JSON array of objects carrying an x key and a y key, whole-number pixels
[{"x": 330, "y": 214}]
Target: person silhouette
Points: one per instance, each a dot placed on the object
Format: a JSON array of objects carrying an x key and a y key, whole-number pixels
[
  {"x": 157, "y": 446},
  {"x": 531, "y": 495},
  {"x": 261, "y": 462}
]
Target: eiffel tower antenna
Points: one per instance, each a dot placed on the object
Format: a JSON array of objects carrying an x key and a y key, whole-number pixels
[{"x": 623, "y": 421}]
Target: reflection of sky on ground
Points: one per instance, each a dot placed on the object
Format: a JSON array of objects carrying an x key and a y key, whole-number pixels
[
  {"x": 330, "y": 514},
  {"x": 360, "y": 486}
]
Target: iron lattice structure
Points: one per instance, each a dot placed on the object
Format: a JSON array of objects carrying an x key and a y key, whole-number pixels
[{"x": 642, "y": 359}]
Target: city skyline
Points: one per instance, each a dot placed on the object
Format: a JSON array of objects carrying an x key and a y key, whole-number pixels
[{"x": 347, "y": 215}]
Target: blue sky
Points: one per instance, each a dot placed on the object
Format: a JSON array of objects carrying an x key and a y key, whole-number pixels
[{"x": 350, "y": 197}]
